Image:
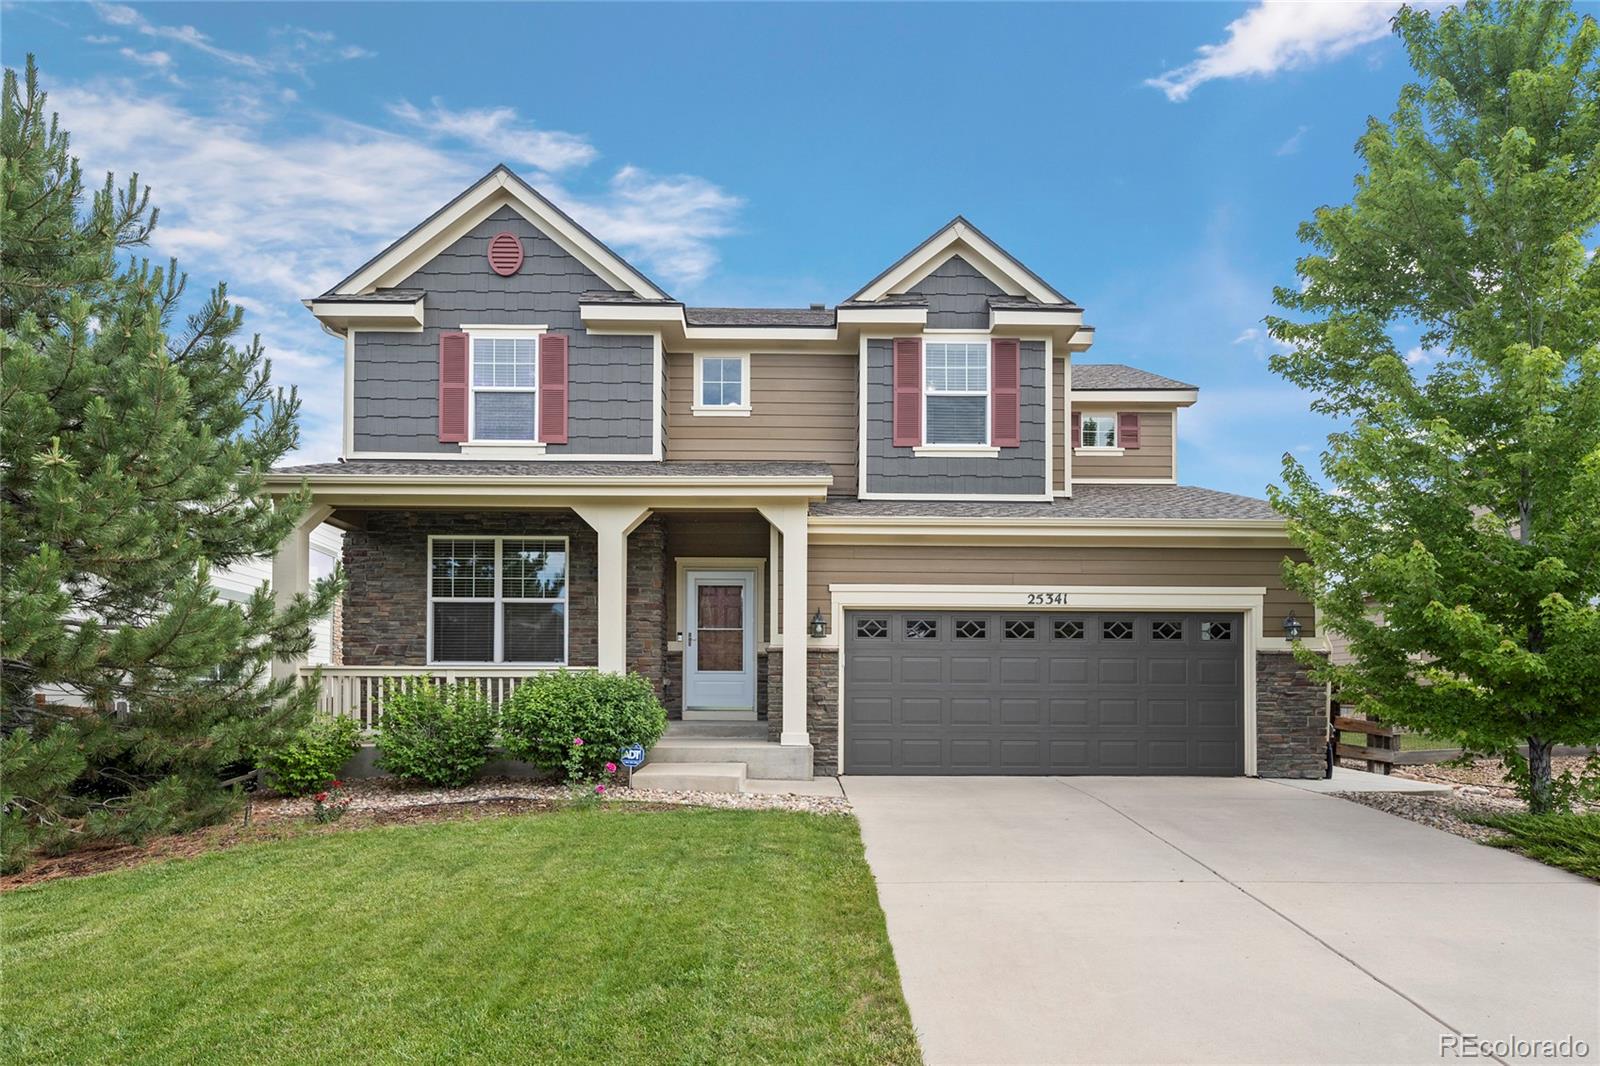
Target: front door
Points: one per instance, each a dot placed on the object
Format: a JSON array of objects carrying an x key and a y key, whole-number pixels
[{"x": 719, "y": 661}]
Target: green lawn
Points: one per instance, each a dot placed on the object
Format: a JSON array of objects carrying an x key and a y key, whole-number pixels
[
  {"x": 1570, "y": 841},
  {"x": 592, "y": 935}
]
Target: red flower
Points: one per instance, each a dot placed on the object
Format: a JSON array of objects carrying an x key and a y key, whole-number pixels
[
  {"x": 337, "y": 784},
  {"x": 322, "y": 797}
]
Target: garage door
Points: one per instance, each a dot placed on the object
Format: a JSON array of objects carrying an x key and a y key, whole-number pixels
[{"x": 956, "y": 692}]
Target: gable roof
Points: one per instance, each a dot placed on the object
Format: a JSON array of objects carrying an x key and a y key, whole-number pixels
[
  {"x": 1088, "y": 377},
  {"x": 960, "y": 237},
  {"x": 500, "y": 186}
]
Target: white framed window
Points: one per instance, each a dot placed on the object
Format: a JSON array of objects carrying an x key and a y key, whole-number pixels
[
  {"x": 497, "y": 600},
  {"x": 955, "y": 393},
  {"x": 1098, "y": 431},
  {"x": 505, "y": 386},
  {"x": 722, "y": 384}
]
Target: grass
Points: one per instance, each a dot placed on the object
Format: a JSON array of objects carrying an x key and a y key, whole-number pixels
[
  {"x": 1570, "y": 841},
  {"x": 584, "y": 936}
]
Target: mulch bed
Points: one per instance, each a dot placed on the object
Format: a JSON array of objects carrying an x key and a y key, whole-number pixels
[{"x": 1478, "y": 788}]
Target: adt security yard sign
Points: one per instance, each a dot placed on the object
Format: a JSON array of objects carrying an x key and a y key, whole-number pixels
[{"x": 632, "y": 756}]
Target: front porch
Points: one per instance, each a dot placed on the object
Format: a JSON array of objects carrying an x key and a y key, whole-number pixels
[{"x": 695, "y": 581}]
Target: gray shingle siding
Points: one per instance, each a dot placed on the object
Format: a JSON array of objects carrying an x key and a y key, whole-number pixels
[
  {"x": 396, "y": 403},
  {"x": 958, "y": 296},
  {"x": 1016, "y": 472}
]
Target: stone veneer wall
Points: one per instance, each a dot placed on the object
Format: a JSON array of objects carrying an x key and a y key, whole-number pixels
[
  {"x": 384, "y": 619},
  {"x": 1291, "y": 718},
  {"x": 647, "y": 603},
  {"x": 822, "y": 706}
]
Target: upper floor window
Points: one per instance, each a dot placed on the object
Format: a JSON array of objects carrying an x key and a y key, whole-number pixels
[
  {"x": 505, "y": 387},
  {"x": 722, "y": 384},
  {"x": 956, "y": 392},
  {"x": 1099, "y": 431}
]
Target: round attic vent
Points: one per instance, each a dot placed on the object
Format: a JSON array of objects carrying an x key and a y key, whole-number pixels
[{"x": 505, "y": 254}]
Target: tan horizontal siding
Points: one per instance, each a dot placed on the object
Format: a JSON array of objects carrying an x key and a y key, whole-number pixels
[
  {"x": 1152, "y": 459},
  {"x": 802, "y": 408},
  {"x": 989, "y": 564}
]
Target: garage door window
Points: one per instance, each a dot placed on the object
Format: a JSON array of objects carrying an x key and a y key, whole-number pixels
[
  {"x": 1166, "y": 630},
  {"x": 872, "y": 628},
  {"x": 972, "y": 629},
  {"x": 1118, "y": 630},
  {"x": 1216, "y": 630},
  {"x": 1019, "y": 629},
  {"x": 922, "y": 629},
  {"x": 1069, "y": 629}
]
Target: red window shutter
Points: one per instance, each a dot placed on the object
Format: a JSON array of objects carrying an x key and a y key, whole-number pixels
[
  {"x": 907, "y": 392},
  {"x": 1077, "y": 429},
  {"x": 1006, "y": 386},
  {"x": 553, "y": 388},
  {"x": 454, "y": 390},
  {"x": 1128, "y": 429}
]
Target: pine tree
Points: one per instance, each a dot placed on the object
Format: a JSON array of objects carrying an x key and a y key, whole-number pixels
[
  {"x": 1457, "y": 543},
  {"x": 133, "y": 448}
]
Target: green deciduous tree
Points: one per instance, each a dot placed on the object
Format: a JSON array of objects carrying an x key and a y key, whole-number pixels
[
  {"x": 1457, "y": 543},
  {"x": 132, "y": 454}
]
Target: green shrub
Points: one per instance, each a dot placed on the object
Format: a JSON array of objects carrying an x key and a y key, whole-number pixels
[
  {"x": 546, "y": 717},
  {"x": 436, "y": 734},
  {"x": 313, "y": 756}
]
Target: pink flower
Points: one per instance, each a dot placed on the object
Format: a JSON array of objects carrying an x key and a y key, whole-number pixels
[
  {"x": 322, "y": 797},
  {"x": 611, "y": 767},
  {"x": 577, "y": 742},
  {"x": 601, "y": 789}
]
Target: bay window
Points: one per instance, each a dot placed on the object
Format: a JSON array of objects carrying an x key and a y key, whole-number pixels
[{"x": 497, "y": 600}]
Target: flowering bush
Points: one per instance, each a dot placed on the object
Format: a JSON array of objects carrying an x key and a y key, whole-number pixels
[
  {"x": 331, "y": 803},
  {"x": 313, "y": 756},
  {"x": 575, "y": 724},
  {"x": 436, "y": 734}
]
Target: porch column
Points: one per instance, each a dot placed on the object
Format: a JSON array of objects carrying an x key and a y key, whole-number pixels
[
  {"x": 612, "y": 522},
  {"x": 291, "y": 575},
  {"x": 790, "y": 521}
]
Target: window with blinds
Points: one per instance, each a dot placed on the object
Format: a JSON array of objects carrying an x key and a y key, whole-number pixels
[
  {"x": 497, "y": 600},
  {"x": 504, "y": 387},
  {"x": 956, "y": 392}
]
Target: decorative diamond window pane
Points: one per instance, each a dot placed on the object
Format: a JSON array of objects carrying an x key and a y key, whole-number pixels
[
  {"x": 957, "y": 419},
  {"x": 504, "y": 362},
  {"x": 972, "y": 629},
  {"x": 1116, "y": 630},
  {"x": 1216, "y": 630},
  {"x": 463, "y": 632},
  {"x": 534, "y": 570},
  {"x": 871, "y": 628},
  {"x": 503, "y": 416},
  {"x": 1019, "y": 629},
  {"x": 463, "y": 569},
  {"x": 922, "y": 628},
  {"x": 1166, "y": 630},
  {"x": 1068, "y": 629}
]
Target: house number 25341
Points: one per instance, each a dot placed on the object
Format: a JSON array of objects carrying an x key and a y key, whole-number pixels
[{"x": 1047, "y": 599}]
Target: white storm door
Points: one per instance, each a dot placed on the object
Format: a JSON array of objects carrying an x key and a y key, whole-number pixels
[{"x": 719, "y": 653}]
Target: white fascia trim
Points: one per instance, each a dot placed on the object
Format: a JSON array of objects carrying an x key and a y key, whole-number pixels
[
  {"x": 883, "y": 316},
  {"x": 1002, "y": 318},
  {"x": 383, "y": 315},
  {"x": 400, "y": 489},
  {"x": 1157, "y": 397},
  {"x": 958, "y": 496},
  {"x": 569, "y": 457},
  {"x": 1006, "y": 527},
  {"x": 501, "y": 450},
  {"x": 958, "y": 238},
  {"x": 489, "y": 195},
  {"x": 956, "y": 451},
  {"x": 1126, "y": 480},
  {"x": 1249, "y": 601}
]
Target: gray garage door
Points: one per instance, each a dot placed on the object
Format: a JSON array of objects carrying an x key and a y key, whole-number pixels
[{"x": 985, "y": 692}]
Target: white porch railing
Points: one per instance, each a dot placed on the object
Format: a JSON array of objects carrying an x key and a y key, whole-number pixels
[{"x": 358, "y": 692}]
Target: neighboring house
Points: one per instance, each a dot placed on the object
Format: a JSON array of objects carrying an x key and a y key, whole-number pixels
[{"x": 913, "y": 532}]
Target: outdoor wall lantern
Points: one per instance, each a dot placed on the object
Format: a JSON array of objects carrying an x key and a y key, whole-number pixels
[
  {"x": 819, "y": 627},
  {"x": 1291, "y": 627}
]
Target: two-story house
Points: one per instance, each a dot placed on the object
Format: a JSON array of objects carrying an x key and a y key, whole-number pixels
[{"x": 914, "y": 532}]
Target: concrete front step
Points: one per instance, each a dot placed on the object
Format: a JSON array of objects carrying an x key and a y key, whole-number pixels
[
  {"x": 739, "y": 730},
  {"x": 692, "y": 776}
]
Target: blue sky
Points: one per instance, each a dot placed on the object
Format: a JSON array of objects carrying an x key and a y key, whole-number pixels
[{"x": 1152, "y": 161}]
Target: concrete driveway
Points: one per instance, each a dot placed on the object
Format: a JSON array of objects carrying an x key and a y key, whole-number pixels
[{"x": 1157, "y": 920}]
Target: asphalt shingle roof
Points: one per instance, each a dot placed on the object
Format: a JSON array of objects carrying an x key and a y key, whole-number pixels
[
  {"x": 759, "y": 316},
  {"x": 554, "y": 468},
  {"x": 397, "y": 296},
  {"x": 1177, "y": 502},
  {"x": 1092, "y": 376}
]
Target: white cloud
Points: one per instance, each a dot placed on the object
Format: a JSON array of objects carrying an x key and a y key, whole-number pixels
[
  {"x": 1277, "y": 35},
  {"x": 499, "y": 132},
  {"x": 156, "y": 60},
  {"x": 1249, "y": 336},
  {"x": 284, "y": 215},
  {"x": 293, "y": 51},
  {"x": 101, "y": 38},
  {"x": 1292, "y": 145}
]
